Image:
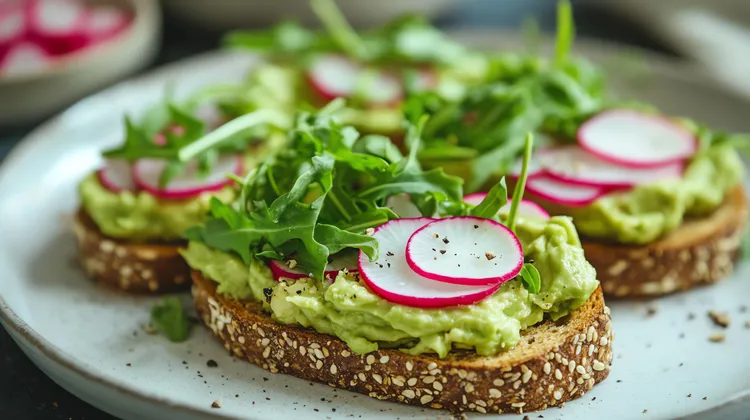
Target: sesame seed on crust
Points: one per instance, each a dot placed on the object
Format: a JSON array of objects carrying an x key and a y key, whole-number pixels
[{"x": 514, "y": 381}]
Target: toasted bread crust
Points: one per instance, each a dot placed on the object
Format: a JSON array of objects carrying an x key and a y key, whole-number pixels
[
  {"x": 553, "y": 363},
  {"x": 138, "y": 268},
  {"x": 702, "y": 251}
]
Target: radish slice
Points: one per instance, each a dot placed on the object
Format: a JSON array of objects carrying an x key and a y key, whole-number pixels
[
  {"x": 58, "y": 25},
  {"x": 146, "y": 173},
  {"x": 631, "y": 138},
  {"x": 24, "y": 58},
  {"x": 334, "y": 76},
  {"x": 573, "y": 165},
  {"x": 535, "y": 166},
  {"x": 338, "y": 262},
  {"x": 117, "y": 176},
  {"x": 465, "y": 250},
  {"x": 563, "y": 193},
  {"x": 401, "y": 205},
  {"x": 391, "y": 278},
  {"x": 526, "y": 208},
  {"x": 102, "y": 23}
]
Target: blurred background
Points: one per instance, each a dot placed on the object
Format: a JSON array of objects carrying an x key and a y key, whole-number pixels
[{"x": 76, "y": 47}]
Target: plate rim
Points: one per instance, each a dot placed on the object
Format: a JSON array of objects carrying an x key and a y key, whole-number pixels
[{"x": 19, "y": 329}]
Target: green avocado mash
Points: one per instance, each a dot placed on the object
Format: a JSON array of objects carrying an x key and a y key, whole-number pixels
[
  {"x": 649, "y": 211},
  {"x": 350, "y": 311},
  {"x": 140, "y": 215}
]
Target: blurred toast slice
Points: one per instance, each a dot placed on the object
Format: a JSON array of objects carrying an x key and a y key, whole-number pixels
[{"x": 133, "y": 267}]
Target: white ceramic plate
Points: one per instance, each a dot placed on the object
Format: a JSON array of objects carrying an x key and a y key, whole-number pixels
[{"x": 90, "y": 340}]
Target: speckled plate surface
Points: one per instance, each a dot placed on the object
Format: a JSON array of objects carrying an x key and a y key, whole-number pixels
[{"x": 91, "y": 342}]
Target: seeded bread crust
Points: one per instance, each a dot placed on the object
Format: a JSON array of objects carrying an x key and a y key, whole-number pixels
[
  {"x": 138, "y": 268},
  {"x": 553, "y": 363},
  {"x": 702, "y": 251}
]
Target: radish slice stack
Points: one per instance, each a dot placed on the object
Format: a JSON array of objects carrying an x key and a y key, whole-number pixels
[
  {"x": 333, "y": 76},
  {"x": 35, "y": 33},
  {"x": 146, "y": 173},
  {"x": 617, "y": 150},
  {"x": 417, "y": 269}
]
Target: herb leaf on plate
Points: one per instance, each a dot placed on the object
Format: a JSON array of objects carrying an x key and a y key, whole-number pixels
[{"x": 170, "y": 319}]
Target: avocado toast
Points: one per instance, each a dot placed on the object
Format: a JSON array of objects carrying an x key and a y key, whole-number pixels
[
  {"x": 657, "y": 199},
  {"x": 310, "y": 274},
  {"x": 151, "y": 188},
  {"x": 374, "y": 70}
]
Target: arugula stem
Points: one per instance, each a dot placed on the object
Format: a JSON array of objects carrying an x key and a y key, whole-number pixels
[
  {"x": 230, "y": 129},
  {"x": 521, "y": 183},
  {"x": 338, "y": 27},
  {"x": 565, "y": 32}
]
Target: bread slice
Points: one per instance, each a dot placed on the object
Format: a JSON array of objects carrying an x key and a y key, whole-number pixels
[
  {"x": 133, "y": 267},
  {"x": 555, "y": 362},
  {"x": 702, "y": 251}
]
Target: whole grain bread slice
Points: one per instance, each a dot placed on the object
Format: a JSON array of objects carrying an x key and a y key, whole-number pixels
[
  {"x": 133, "y": 267},
  {"x": 555, "y": 362},
  {"x": 701, "y": 251}
]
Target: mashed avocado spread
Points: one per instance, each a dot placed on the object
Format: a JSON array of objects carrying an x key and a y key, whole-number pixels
[
  {"x": 647, "y": 212},
  {"x": 140, "y": 215},
  {"x": 349, "y": 310}
]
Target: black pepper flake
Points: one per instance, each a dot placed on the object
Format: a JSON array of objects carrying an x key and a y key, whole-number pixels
[
  {"x": 315, "y": 410},
  {"x": 268, "y": 292},
  {"x": 389, "y": 265},
  {"x": 389, "y": 254},
  {"x": 705, "y": 398},
  {"x": 593, "y": 399},
  {"x": 299, "y": 292},
  {"x": 446, "y": 241},
  {"x": 236, "y": 395},
  {"x": 442, "y": 251},
  {"x": 690, "y": 395},
  {"x": 268, "y": 399},
  {"x": 265, "y": 379},
  {"x": 184, "y": 362},
  {"x": 380, "y": 265},
  {"x": 476, "y": 226},
  {"x": 212, "y": 363},
  {"x": 128, "y": 364}
]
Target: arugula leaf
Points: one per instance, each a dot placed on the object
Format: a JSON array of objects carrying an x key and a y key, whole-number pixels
[
  {"x": 320, "y": 194},
  {"x": 496, "y": 198},
  {"x": 170, "y": 318},
  {"x": 530, "y": 277}
]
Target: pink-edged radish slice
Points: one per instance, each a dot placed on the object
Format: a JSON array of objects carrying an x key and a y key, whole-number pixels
[
  {"x": 402, "y": 205},
  {"x": 526, "y": 208},
  {"x": 24, "y": 58},
  {"x": 344, "y": 261},
  {"x": 563, "y": 193},
  {"x": 465, "y": 250},
  {"x": 57, "y": 25},
  {"x": 574, "y": 165},
  {"x": 333, "y": 76},
  {"x": 631, "y": 138},
  {"x": 391, "y": 278},
  {"x": 104, "y": 22},
  {"x": 146, "y": 173},
  {"x": 117, "y": 176},
  {"x": 535, "y": 167}
]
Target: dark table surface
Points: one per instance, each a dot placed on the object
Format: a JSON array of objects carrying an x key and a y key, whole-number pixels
[{"x": 26, "y": 393}]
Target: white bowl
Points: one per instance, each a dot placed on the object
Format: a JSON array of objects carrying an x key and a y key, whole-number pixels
[
  {"x": 29, "y": 97},
  {"x": 231, "y": 14}
]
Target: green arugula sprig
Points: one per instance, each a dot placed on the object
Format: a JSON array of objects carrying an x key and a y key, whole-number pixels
[
  {"x": 180, "y": 128},
  {"x": 409, "y": 39},
  {"x": 170, "y": 319},
  {"x": 320, "y": 194},
  {"x": 524, "y": 93}
]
